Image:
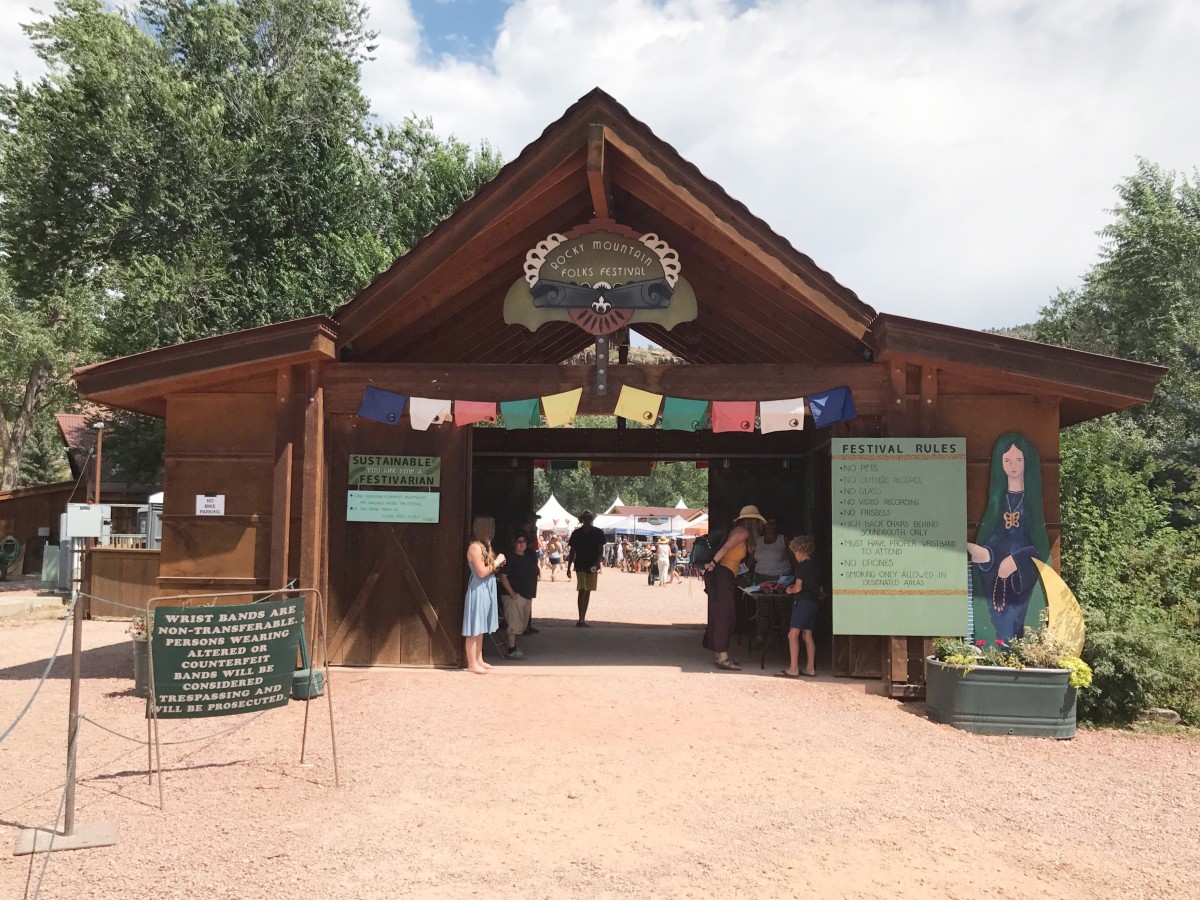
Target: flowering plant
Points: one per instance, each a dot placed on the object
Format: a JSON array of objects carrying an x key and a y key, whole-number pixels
[
  {"x": 1036, "y": 649},
  {"x": 139, "y": 628}
]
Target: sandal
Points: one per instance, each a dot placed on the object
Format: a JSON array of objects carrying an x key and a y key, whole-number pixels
[
  {"x": 784, "y": 673},
  {"x": 728, "y": 665}
]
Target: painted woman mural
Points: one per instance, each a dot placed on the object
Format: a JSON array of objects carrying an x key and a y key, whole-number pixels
[{"x": 1005, "y": 588}]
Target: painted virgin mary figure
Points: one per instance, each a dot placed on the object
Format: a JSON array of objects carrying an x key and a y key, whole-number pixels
[{"x": 1006, "y": 590}]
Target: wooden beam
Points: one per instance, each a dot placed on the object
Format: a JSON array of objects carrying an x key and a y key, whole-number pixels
[
  {"x": 897, "y": 409},
  {"x": 281, "y": 499},
  {"x": 639, "y": 444},
  {"x": 643, "y": 175},
  {"x": 597, "y": 173},
  {"x": 186, "y": 366},
  {"x": 897, "y": 671},
  {"x": 344, "y": 382},
  {"x": 763, "y": 297},
  {"x": 312, "y": 509},
  {"x": 447, "y": 303},
  {"x": 504, "y": 207},
  {"x": 927, "y": 413},
  {"x": 1025, "y": 366}
]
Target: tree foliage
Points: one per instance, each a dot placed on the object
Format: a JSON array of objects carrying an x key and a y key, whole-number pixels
[
  {"x": 1130, "y": 544},
  {"x": 578, "y": 489},
  {"x": 193, "y": 167}
]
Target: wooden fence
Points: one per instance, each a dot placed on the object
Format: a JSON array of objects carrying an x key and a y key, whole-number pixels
[{"x": 118, "y": 575}]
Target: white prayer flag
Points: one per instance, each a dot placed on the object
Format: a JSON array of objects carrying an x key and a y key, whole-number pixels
[
  {"x": 781, "y": 415},
  {"x": 423, "y": 412}
]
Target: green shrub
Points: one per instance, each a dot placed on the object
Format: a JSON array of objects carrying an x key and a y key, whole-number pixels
[{"x": 1136, "y": 664}]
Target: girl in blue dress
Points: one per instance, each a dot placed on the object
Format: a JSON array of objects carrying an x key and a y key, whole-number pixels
[{"x": 480, "y": 615}]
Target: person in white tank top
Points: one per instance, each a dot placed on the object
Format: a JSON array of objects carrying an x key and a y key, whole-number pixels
[{"x": 771, "y": 557}]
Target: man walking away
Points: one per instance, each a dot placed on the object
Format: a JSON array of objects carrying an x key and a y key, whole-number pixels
[{"x": 586, "y": 549}]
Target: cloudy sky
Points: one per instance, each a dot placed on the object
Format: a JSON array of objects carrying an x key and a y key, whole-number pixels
[{"x": 946, "y": 159}]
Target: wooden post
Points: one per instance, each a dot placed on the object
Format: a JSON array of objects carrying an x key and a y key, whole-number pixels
[
  {"x": 312, "y": 526},
  {"x": 281, "y": 501},
  {"x": 927, "y": 412},
  {"x": 99, "y": 454}
]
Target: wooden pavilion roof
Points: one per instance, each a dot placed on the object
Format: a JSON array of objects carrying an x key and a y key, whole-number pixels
[{"x": 760, "y": 300}]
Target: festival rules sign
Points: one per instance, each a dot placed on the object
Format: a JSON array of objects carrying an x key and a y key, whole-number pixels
[
  {"x": 900, "y": 536},
  {"x": 224, "y": 660}
]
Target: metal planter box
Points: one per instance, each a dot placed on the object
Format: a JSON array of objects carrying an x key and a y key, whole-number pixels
[{"x": 998, "y": 700}]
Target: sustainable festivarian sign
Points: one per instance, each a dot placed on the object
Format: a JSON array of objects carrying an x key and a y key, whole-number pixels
[
  {"x": 394, "y": 489},
  {"x": 223, "y": 660},
  {"x": 900, "y": 536},
  {"x": 395, "y": 471}
]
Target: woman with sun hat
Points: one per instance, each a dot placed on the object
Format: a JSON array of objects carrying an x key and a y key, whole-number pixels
[{"x": 719, "y": 575}]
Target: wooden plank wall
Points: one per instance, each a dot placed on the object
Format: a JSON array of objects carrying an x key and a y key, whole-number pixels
[
  {"x": 927, "y": 402},
  {"x": 128, "y": 577},
  {"x": 25, "y": 510},
  {"x": 219, "y": 442},
  {"x": 396, "y": 590}
]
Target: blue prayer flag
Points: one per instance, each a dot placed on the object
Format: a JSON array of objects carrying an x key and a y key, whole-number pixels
[
  {"x": 382, "y": 406},
  {"x": 834, "y": 405}
]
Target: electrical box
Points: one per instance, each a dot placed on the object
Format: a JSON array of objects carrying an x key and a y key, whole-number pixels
[{"x": 85, "y": 520}]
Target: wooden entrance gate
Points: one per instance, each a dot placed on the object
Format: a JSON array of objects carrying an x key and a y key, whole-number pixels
[{"x": 396, "y": 590}]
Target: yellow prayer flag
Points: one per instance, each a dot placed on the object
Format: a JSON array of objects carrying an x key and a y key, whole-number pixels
[
  {"x": 638, "y": 406},
  {"x": 560, "y": 408}
]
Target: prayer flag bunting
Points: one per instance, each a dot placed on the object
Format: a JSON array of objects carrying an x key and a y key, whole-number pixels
[
  {"x": 521, "y": 414},
  {"x": 468, "y": 411},
  {"x": 381, "y": 406},
  {"x": 423, "y": 412},
  {"x": 560, "y": 408},
  {"x": 828, "y": 407},
  {"x": 781, "y": 415},
  {"x": 638, "y": 406},
  {"x": 733, "y": 415},
  {"x": 684, "y": 415}
]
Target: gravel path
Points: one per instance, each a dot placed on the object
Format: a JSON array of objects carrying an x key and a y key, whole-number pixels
[{"x": 651, "y": 775}]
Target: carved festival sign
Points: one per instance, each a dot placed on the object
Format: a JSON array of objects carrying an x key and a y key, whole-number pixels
[{"x": 602, "y": 278}]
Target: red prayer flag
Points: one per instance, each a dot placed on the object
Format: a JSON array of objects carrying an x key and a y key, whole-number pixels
[
  {"x": 733, "y": 415},
  {"x": 468, "y": 411}
]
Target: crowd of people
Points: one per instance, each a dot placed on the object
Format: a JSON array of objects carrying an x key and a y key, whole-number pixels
[{"x": 754, "y": 547}]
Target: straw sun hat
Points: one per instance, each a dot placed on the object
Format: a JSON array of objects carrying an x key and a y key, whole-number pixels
[
  {"x": 750, "y": 512},
  {"x": 663, "y": 539}
]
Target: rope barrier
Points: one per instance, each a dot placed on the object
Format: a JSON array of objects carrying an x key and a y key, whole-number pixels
[
  {"x": 195, "y": 740},
  {"x": 45, "y": 674},
  {"x": 136, "y": 609}
]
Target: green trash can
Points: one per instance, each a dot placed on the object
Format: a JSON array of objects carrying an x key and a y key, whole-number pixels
[{"x": 307, "y": 682}]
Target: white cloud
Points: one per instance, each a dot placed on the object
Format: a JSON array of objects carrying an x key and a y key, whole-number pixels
[{"x": 946, "y": 160}]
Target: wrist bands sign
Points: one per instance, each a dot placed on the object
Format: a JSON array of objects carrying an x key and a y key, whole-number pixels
[{"x": 223, "y": 660}]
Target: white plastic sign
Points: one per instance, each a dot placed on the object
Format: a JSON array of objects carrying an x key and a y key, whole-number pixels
[{"x": 210, "y": 504}]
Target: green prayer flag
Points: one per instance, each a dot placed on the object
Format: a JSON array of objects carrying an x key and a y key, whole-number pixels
[
  {"x": 683, "y": 415},
  {"x": 521, "y": 413}
]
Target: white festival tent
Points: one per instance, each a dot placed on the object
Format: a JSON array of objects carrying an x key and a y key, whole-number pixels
[
  {"x": 641, "y": 526},
  {"x": 554, "y": 517}
]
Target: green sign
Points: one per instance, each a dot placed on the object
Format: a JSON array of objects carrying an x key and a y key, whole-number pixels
[
  {"x": 900, "y": 536},
  {"x": 395, "y": 471},
  {"x": 393, "y": 506},
  {"x": 224, "y": 660}
]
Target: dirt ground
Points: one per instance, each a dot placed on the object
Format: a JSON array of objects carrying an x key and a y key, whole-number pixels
[{"x": 614, "y": 762}]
